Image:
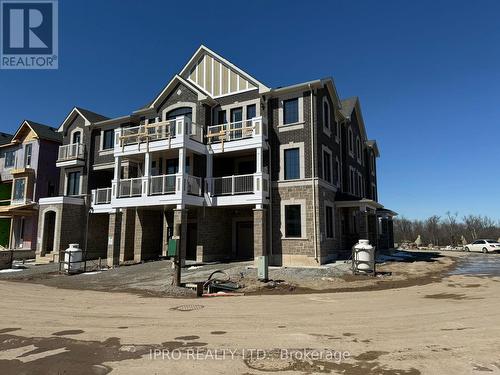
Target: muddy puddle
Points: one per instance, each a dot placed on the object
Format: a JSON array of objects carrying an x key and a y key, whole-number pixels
[{"x": 478, "y": 265}]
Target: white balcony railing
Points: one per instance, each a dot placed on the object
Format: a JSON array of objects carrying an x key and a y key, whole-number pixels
[
  {"x": 232, "y": 131},
  {"x": 231, "y": 185},
  {"x": 102, "y": 196},
  {"x": 71, "y": 151},
  {"x": 159, "y": 131},
  {"x": 130, "y": 187},
  {"x": 193, "y": 185},
  {"x": 160, "y": 185}
]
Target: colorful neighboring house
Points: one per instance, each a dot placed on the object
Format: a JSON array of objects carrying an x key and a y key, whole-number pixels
[{"x": 27, "y": 173}]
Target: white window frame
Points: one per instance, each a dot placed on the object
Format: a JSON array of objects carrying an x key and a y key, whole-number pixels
[
  {"x": 76, "y": 130},
  {"x": 358, "y": 149},
  {"x": 350, "y": 142},
  {"x": 24, "y": 198},
  {"x": 339, "y": 173},
  {"x": 300, "y": 146},
  {"x": 332, "y": 206},
  {"x": 80, "y": 187},
  {"x": 14, "y": 153},
  {"x": 372, "y": 163},
  {"x": 337, "y": 136},
  {"x": 296, "y": 125},
  {"x": 327, "y": 128},
  {"x": 26, "y": 164},
  {"x": 102, "y": 151},
  {"x": 329, "y": 152},
  {"x": 303, "y": 214},
  {"x": 231, "y": 106},
  {"x": 374, "y": 192}
]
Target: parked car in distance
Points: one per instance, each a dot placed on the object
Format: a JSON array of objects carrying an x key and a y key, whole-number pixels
[{"x": 484, "y": 246}]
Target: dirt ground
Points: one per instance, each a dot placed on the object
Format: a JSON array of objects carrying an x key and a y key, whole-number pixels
[
  {"x": 155, "y": 278},
  {"x": 447, "y": 324}
]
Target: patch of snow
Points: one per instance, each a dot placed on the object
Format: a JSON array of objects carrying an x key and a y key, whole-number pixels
[
  {"x": 194, "y": 267},
  {"x": 92, "y": 273},
  {"x": 10, "y": 270}
]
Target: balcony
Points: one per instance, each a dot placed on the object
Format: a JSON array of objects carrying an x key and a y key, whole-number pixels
[
  {"x": 158, "y": 136},
  {"x": 238, "y": 189},
  {"x": 238, "y": 135},
  {"x": 72, "y": 154}
]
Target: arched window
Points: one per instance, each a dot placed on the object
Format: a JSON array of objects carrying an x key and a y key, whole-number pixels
[
  {"x": 182, "y": 111},
  {"x": 77, "y": 137},
  {"x": 326, "y": 114}
]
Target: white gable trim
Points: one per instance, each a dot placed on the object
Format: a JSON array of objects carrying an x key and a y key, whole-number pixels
[
  {"x": 205, "y": 50},
  {"x": 69, "y": 117},
  {"x": 178, "y": 79}
]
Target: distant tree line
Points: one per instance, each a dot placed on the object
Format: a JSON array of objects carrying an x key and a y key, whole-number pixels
[{"x": 446, "y": 230}]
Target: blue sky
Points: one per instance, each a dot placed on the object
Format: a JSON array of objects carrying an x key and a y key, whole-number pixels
[{"x": 427, "y": 74}]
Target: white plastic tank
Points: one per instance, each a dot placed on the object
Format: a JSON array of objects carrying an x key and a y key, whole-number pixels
[
  {"x": 73, "y": 258},
  {"x": 364, "y": 256}
]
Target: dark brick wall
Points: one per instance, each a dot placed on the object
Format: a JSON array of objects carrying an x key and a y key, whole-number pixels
[{"x": 277, "y": 138}]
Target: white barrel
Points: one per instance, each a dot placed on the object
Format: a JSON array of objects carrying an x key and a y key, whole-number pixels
[
  {"x": 72, "y": 258},
  {"x": 364, "y": 253}
]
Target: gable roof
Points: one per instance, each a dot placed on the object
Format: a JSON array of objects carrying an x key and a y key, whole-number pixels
[
  {"x": 171, "y": 85},
  {"x": 5, "y": 138},
  {"x": 45, "y": 132},
  {"x": 350, "y": 105},
  {"x": 89, "y": 116},
  {"x": 201, "y": 70}
]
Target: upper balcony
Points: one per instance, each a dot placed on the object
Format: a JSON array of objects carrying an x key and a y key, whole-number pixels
[
  {"x": 159, "y": 136},
  {"x": 239, "y": 135},
  {"x": 72, "y": 154}
]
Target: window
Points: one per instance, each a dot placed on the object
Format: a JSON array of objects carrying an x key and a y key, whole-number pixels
[
  {"x": 337, "y": 131},
  {"x": 326, "y": 115},
  {"x": 221, "y": 117},
  {"x": 352, "y": 181},
  {"x": 293, "y": 223},
  {"x": 183, "y": 111},
  {"x": 351, "y": 141},
  {"x": 19, "y": 189},
  {"x": 358, "y": 148},
  {"x": 329, "y": 221},
  {"x": 372, "y": 163},
  {"x": 336, "y": 172},
  {"x": 10, "y": 157},
  {"x": 292, "y": 164},
  {"x": 327, "y": 166},
  {"x": 107, "y": 139},
  {"x": 290, "y": 111},
  {"x": 77, "y": 137},
  {"x": 28, "y": 150},
  {"x": 251, "y": 111},
  {"x": 172, "y": 166},
  {"x": 374, "y": 192},
  {"x": 73, "y": 186}
]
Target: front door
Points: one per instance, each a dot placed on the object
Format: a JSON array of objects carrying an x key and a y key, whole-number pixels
[
  {"x": 244, "y": 240},
  {"x": 192, "y": 240},
  {"x": 236, "y": 122}
]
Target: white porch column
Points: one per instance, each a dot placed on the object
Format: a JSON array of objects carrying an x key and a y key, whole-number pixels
[
  {"x": 147, "y": 173},
  {"x": 259, "y": 161},
  {"x": 181, "y": 170},
  {"x": 117, "y": 176}
]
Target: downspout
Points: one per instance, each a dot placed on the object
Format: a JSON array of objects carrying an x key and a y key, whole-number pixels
[{"x": 313, "y": 182}]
